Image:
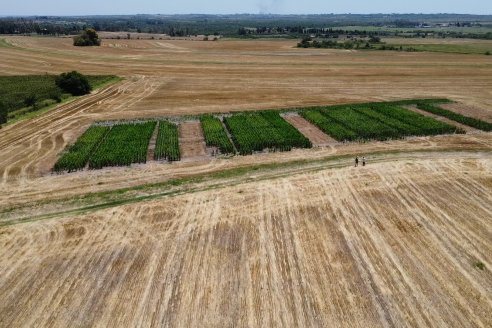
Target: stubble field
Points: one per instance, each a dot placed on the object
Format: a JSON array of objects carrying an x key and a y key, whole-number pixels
[{"x": 305, "y": 243}]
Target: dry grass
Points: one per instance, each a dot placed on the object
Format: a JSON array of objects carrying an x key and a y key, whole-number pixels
[
  {"x": 186, "y": 77},
  {"x": 391, "y": 244}
]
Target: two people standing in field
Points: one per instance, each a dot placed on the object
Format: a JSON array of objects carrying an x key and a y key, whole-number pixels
[{"x": 357, "y": 161}]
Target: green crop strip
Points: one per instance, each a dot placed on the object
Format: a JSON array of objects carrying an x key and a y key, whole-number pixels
[
  {"x": 167, "y": 144},
  {"x": 470, "y": 121}
]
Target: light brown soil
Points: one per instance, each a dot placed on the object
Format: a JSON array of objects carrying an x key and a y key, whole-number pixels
[
  {"x": 310, "y": 131},
  {"x": 191, "y": 140},
  {"x": 390, "y": 244},
  {"x": 466, "y": 128},
  {"x": 189, "y": 77},
  {"x": 467, "y": 110}
]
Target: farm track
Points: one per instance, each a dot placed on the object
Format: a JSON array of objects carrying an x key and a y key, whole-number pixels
[{"x": 391, "y": 244}]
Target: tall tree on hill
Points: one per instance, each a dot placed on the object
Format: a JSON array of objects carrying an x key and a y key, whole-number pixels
[{"x": 88, "y": 37}]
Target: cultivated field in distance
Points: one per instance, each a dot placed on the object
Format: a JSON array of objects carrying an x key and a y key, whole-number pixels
[{"x": 214, "y": 185}]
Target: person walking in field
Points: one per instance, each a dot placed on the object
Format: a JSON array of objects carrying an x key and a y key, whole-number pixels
[
  {"x": 363, "y": 161},
  {"x": 356, "y": 161}
]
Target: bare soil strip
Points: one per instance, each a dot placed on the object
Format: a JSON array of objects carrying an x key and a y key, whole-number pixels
[
  {"x": 468, "y": 110},
  {"x": 310, "y": 131},
  {"x": 467, "y": 128},
  {"x": 378, "y": 246},
  {"x": 191, "y": 141},
  {"x": 153, "y": 139}
]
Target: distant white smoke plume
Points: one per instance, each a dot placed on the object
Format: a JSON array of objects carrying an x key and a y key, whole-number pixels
[{"x": 270, "y": 6}]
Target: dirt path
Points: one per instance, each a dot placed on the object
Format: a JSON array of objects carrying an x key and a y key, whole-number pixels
[
  {"x": 153, "y": 139},
  {"x": 466, "y": 128},
  {"x": 393, "y": 242},
  {"x": 191, "y": 141},
  {"x": 310, "y": 131}
]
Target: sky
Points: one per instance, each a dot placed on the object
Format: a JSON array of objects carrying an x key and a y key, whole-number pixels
[{"x": 106, "y": 7}]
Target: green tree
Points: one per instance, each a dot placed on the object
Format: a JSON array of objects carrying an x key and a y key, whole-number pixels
[
  {"x": 87, "y": 38},
  {"x": 30, "y": 101},
  {"x": 3, "y": 112},
  {"x": 74, "y": 83}
]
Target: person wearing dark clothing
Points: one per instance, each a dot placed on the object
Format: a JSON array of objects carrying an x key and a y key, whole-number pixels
[
  {"x": 356, "y": 161},
  {"x": 363, "y": 161}
]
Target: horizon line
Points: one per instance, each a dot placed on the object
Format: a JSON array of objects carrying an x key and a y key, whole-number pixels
[{"x": 244, "y": 13}]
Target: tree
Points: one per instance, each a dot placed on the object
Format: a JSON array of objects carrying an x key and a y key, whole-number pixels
[
  {"x": 74, "y": 83},
  {"x": 3, "y": 112},
  {"x": 30, "y": 101},
  {"x": 88, "y": 37}
]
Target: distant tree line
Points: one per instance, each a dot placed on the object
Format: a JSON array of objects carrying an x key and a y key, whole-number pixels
[
  {"x": 373, "y": 43},
  {"x": 240, "y": 25}
]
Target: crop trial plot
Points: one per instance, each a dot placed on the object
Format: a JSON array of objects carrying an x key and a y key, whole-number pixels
[
  {"x": 77, "y": 155},
  {"x": 264, "y": 130},
  {"x": 215, "y": 134},
  {"x": 125, "y": 144},
  {"x": 167, "y": 144},
  {"x": 374, "y": 122}
]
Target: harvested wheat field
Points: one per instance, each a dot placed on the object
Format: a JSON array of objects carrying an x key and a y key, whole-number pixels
[
  {"x": 391, "y": 244},
  {"x": 283, "y": 239},
  {"x": 192, "y": 77}
]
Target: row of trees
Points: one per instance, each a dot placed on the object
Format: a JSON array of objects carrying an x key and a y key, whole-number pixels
[
  {"x": 26, "y": 94},
  {"x": 236, "y": 25}
]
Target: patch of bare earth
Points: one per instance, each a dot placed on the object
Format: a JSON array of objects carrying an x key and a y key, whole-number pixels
[
  {"x": 310, "y": 131},
  {"x": 191, "y": 141},
  {"x": 153, "y": 140}
]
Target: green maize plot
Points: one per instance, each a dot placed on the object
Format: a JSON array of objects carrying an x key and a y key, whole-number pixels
[
  {"x": 215, "y": 134},
  {"x": 78, "y": 154},
  {"x": 167, "y": 144},
  {"x": 470, "y": 121},
  {"x": 263, "y": 130},
  {"x": 125, "y": 144}
]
